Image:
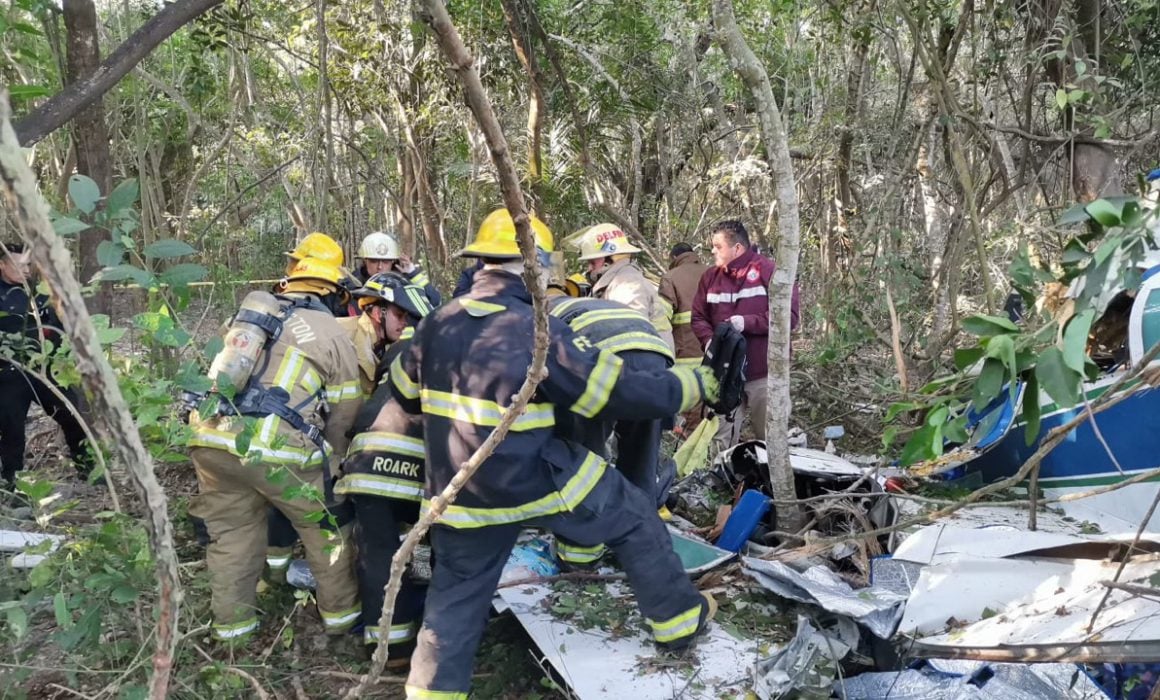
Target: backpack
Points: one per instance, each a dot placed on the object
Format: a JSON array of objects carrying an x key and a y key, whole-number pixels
[{"x": 726, "y": 356}]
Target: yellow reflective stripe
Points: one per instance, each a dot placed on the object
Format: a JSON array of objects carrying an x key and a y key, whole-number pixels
[
  {"x": 676, "y": 627},
  {"x": 662, "y": 324},
  {"x": 690, "y": 387},
  {"x": 237, "y": 629},
  {"x": 395, "y": 635},
  {"x": 576, "y": 554},
  {"x": 344, "y": 392},
  {"x": 340, "y": 619},
  {"x": 408, "y": 387},
  {"x": 280, "y": 562},
  {"x": 690, "y": 361},
  {"x": 666, "y": 306},
  {"x": 566, "y": 499},
  {"x": 483, "y": 412},
  {"x": 311, "y": 382},
  {"x": 259, "y": 450},
  {"x": 421, "y": 279},
  {"x": 377, "y": 485},
  {"x": 292, "y": 362},
  {"x": 682, "y": 318},
  {"x": 417, "y": 693},
  {"x": 407, "y": 334},
  {"x": 600, "y": 383},
  {"x": 561, "y": 309},
  {"x": 635, "y": 341},
  {"x": 587, "y": 319},
  {"x": 383, "y": 440},
  {"x": 479, "y": 309}
]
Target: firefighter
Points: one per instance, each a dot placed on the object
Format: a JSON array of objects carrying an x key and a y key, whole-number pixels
[
  {"x": 316, "y": 245},
  {"x": 380, "y": 253},
  {"x": 462, "y": 368},
  {"x": 293, "y": 376},
  {"x": 616, "y": 277},
  {"x": 626, "y": 333},
  {"x": 383, "y": 470}
]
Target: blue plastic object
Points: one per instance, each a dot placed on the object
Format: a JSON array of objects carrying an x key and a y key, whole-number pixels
[{"x": 748, "y": 514}]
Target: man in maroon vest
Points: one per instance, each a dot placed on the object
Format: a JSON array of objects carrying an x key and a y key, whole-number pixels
[{"x": 734, "y": 291}]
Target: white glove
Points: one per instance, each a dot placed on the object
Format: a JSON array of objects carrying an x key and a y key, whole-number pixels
[{"x": 738, "y": 323}]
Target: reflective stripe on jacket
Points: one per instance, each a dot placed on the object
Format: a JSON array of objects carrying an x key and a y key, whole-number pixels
[
  {"x": 316, "y": 363},
  {"x": 623, "y": 282},
  {"x": 464, "y": 365},
  {"x": 609, "y": 326},
  {"x": 679, "y": 287}
]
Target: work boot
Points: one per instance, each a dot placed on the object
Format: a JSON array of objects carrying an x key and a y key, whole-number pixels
[{"x": 678, "y": 646}]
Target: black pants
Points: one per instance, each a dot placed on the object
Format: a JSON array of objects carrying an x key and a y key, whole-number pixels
[
  {"x": 377, "y": 530},
  {"x": 17, "y": 392}
]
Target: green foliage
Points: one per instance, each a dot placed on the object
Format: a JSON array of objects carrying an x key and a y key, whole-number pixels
[{"x": 1098, "y": 261}]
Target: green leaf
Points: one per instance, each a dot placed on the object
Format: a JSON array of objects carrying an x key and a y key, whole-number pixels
[
  {"x": 983, "y": 325},
  {"x": 60, "y": 610},
  {"x": 900, "y": 407},
  {"x": 109, "y": 254},
  {"x": 965, "y": 357},
  {"x": 956, "y": 431},
  {"x": 1060, "y": 382},
  {"x": 84, "y": 193},
  {"x": 124, "y": 594},
  {"x": 122, "y": 197},
  {"x": 65, "y": 226},
  {"x": 1074, "y": 215},
  {"x": 28, "y": 92},
  {"x": 105, "y": 334},
  {"x": 990, "y": 382},
  {"x": 1032, "y": 412},
  {"x": 1106, "y": 212},
  {"x": 168, "y": 248},
  {"x": 1074, "y": 252},
  {"x": 1061, "y": 98},
  {"x": 183, "y": 274},
  {"x": 121, "y": 273},
  {"x": 1076, "y": 95},
  {"x": 17, "y": 620},
  {"x": 1002, "y": 347},
  {"x": 918, "y": 447},
  {"x": 244, "y": 437},
  {"x": 1075, "y": 337},
  {"x": 1080, "y": 68}
]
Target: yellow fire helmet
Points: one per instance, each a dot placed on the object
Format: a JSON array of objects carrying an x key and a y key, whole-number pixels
[
  {"x": 315, "y": 269},
  {"x": 496, "y": 237},
  {"x": 577, "y": 285},
  {"x": 319, "y": 246},
  {"x": 603, "y": 241}
]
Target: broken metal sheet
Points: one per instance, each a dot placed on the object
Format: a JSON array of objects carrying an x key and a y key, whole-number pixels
[
  {"x": 971, "y": 680},
  {"x": 807, "y": 665},
  {"x": 1045, "y": 624},
  {"x": 942, "y": 542},
  {"x": 597, "y": 667},
  {"x": 894, "y": 574},
  {"x": 985, "y": 517},
  {"x": 878, "y": 609}
]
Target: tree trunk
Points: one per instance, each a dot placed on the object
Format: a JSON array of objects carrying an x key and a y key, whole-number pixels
[
  {"x": 522, "y": 44},
  {"x": 756, "y": 80},
  {"x": 90, "y": 136}
]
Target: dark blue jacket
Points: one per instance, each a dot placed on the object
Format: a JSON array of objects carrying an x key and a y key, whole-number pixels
[
  {"x": 19, "y": 329},
  {"x": 463, "y": 286},
  {"x": 466, "y": 362}
]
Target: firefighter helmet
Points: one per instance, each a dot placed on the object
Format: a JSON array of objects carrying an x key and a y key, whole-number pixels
[
  {"x": 577, "y": 285},
  {"x": 393, "y": 288},
  {"x": 379, "y": 246},
  {"x": 496, "y": 237},
  {"x": 319, "y": 246},
  {"x": 604, "y": 240},
  {"x": 316, "y": 269}
]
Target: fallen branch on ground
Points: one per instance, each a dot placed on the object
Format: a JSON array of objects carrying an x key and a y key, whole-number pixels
[{"x": 572, "y": 576}]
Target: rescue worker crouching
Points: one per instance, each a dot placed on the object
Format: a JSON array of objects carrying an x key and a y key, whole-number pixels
[
  {"x": 289, "y": 368},
  {"x": 626, "y": 333},
  {"x": 462, "y": 368},
  {"x": 383, "y": 471},
  {"x": 616, "y": 277}
]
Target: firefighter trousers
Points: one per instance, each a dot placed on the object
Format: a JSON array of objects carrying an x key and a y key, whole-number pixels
[
  {"x": 233, "y": 500},
  {"x": 377, "y": 530},
  {"x": 468, "y": 564}
]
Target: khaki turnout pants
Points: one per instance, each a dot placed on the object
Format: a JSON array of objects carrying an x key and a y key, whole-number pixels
[
  {"x": 233, "y": 501},
  {"x": 753, "y": 405}
]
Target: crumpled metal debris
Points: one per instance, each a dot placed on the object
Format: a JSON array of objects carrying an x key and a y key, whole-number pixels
[
  {"x": 807, "y": 665},
  {"x": 878, "y": 609},
  {"x": 973, "y": 680}
]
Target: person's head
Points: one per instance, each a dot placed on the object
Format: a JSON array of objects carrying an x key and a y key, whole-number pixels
[
  {"x": 319, "y": 246},
  {"x": 678, "y": 250},
  {"x": 601, "y": 246},
  {"x": 379, "y": 252},
  {"x": 14, "y": 266},
  {"x": 392, "y": 303},
  {"x": 730, "y": 241}
]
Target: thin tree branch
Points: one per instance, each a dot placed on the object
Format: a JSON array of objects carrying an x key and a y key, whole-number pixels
[
  {"x": 434, "y": 14},
  {"x": 52, "y": 258}
]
